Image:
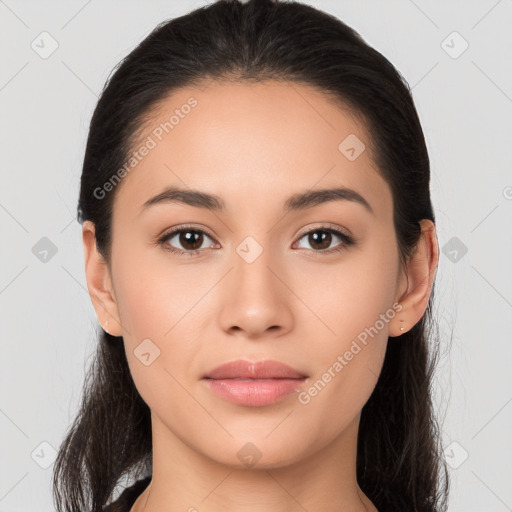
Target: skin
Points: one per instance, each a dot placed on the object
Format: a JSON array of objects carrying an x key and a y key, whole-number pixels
[{"x": 255, "y": 145}]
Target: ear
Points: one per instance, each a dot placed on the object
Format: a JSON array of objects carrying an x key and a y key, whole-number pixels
[
  {"x": 99, "y": 282},
  {"x": 417, "y": 279}
]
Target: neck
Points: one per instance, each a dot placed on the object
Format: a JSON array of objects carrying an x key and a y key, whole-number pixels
[{"x": 186, "y": 480}]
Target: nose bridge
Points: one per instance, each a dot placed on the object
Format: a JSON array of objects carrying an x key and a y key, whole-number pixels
[
  {"x": 252, "y": 273},
  {"x": 255, "y": 298},
  {"x": 256, "y": 249}
]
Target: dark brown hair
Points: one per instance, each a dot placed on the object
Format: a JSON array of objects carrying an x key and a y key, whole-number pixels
[{"x": 400, "y": 466}]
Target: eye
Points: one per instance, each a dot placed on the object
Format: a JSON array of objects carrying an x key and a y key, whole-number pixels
[
  {"x": 191, "y": 239},
  {"x": 321, "y": 238}
]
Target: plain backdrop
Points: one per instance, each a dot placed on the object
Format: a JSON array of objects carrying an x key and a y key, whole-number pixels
[{"x": 456, "y": 56}]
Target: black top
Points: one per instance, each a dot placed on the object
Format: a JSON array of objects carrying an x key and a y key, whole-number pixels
[{"x": 128, "y": 497}]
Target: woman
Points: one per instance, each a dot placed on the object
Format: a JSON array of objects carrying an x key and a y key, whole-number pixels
[{"x": 260, "y": 250}]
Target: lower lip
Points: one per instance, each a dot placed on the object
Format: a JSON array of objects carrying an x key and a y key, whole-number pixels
[{"x": 254, "y": 392}]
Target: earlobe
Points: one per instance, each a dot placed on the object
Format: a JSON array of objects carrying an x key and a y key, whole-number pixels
[
  {"x": 420, "y": 274},
  {"x": 99, "y": 282}
]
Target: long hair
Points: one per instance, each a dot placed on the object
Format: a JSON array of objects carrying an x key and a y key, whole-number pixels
[{"x": 400, "y": 465}]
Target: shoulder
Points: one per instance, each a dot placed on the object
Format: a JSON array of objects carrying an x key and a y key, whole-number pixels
[{"x": 128, "y": 497}]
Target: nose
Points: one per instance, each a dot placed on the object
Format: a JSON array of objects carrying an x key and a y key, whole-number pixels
[{"x": 256, "y": 298}]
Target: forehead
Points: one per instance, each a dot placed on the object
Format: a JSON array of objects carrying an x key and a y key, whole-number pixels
[{"x": 253, "y": 144}]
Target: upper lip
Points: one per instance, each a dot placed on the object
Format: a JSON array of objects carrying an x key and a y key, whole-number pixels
[{"x": 243, "y": 369}]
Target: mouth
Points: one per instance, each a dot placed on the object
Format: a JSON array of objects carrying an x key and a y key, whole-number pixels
[
  {"x": 260, "y": 370},
  {"x": 254, "y": 392},
  {"x": 254, "y": 384}
]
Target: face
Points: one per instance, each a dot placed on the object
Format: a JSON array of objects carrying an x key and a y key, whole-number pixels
[{"x": 312, "y": 285}]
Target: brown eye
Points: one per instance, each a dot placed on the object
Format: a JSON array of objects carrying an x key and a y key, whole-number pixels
[
  {"x": 321, "y": 238},
  {"x": 191, "y": 240}
]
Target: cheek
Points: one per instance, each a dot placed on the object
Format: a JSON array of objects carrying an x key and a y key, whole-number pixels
[
  {"x": 167, "y": 312},
  {"x": 155, "y": 308},
  {"x": 346, "y": 367},
  {"x": 152, "y": 293},
  {"x": 349, "y": 296},
  {"x": 352, "y": 305}
]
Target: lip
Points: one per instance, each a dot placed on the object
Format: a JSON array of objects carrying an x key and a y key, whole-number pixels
[
  {"x": 242, "y": 369},
  {"x": 254, "y": 383}
]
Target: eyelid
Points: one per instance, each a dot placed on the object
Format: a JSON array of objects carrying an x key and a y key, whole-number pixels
[
  {"x": 176, "y": 229},
  {"x": 326, "y": 226},
  {"x": 322, "y": 225}
]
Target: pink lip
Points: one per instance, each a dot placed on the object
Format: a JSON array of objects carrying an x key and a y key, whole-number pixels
[
  {"x": 254, "y": 384},
  {"x": 242, "y": 369}
]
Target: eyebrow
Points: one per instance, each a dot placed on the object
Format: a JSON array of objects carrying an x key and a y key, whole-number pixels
[{"x": 299, "y": 201}]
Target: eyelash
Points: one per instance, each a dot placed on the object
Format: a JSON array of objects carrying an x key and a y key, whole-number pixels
[{"x": 346, "y": 239}]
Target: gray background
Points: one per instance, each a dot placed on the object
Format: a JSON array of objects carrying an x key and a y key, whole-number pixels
[{"x": 48, "y": 324}]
